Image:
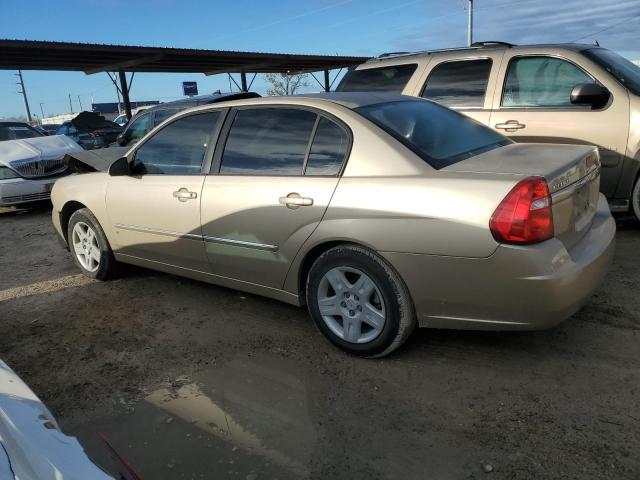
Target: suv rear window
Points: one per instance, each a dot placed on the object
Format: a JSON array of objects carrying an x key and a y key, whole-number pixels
[
  {"x": 441, "y": 137},
  {"x": 459, "y": 83},
  {"x": 386, "y": 79}
]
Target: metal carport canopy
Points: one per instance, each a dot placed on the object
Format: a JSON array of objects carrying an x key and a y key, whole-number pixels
[{"x": 94, "y": 58}]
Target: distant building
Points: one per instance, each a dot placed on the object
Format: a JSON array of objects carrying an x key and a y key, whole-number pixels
[{"x": 110, "y": 110}]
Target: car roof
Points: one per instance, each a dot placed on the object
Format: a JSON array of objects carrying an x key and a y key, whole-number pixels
[
  {"x": 481, "y": 46},
  {"x": 203, "y": 100},
  {"x": 350, "y": 100}
]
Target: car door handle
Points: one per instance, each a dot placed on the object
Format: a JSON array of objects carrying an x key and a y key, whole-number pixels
[
  {"x": 183, "y": 195},
  {"x": 294, "y": 200},
  {"x": 510, "y": 125}
]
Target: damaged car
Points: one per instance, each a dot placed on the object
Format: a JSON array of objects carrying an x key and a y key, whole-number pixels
[
  {"x": 90, "y": 130},
  {"x": 30, "y": 162}
]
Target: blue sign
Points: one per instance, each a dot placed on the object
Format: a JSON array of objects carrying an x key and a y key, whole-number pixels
[{"x": 190, "y": 88}]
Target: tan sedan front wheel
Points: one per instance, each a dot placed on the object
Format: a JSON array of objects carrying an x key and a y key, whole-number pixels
[
  {"x": 359, "y": 302},
  {"x": 89, "y": 246}
]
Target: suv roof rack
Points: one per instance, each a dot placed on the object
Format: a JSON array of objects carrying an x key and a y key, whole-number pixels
[
  {"x": 473, "y": 45},
  {"x": 490, "y": 43}
]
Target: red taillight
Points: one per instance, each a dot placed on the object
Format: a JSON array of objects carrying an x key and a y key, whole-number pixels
[{"x": 524, "y": 216}]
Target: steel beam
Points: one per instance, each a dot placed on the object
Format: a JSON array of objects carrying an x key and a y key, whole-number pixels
[
  {"x": 125, "y": 65},
  {"x": 124, "y": 88}
]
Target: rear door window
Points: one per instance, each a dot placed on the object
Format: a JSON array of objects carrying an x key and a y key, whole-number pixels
[
  {"x": 541, "y": 82},
  {"x": 267, "y": 141},
  {"x": 328, "y": 150},
  {"x": 459, "y": 83},
  {"x": 384, "y": 79}
]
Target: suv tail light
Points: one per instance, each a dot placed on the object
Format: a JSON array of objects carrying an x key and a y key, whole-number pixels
[{"x": 524, "y": 216}]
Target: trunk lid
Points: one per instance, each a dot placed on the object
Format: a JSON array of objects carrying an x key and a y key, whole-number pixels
[{"x": 572, "y": 173}]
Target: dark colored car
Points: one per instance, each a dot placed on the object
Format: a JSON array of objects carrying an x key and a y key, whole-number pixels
[
  {"x": 147, "y": 119},
  {"x": 90, "y": 130},
  {"x": 17, "y": 131}
]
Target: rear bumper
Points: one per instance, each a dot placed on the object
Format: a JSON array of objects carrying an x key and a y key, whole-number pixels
[
  {"x": 21, "y": 190},
  {"x": 517, "y": 288}
]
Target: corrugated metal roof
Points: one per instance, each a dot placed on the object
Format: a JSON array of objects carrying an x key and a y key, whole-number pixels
[{"x": 93, "y": 58}]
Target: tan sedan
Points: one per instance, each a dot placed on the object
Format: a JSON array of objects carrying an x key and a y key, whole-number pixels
[{"x": 379, "y": 212}]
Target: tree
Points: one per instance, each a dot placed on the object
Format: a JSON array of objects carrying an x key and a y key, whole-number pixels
[{"x": 285, "y": 84}]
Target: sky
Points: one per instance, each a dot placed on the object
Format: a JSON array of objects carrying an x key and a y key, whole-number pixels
[{"x": 342, "y": 27}]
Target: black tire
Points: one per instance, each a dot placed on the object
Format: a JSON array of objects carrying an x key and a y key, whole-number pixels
[
  {"x": 107, "y": 266},
  {"x": 635, "y": 199},
  {"x": 400, "y": 314}
]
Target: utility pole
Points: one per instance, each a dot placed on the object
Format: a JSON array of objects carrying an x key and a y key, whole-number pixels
[
  {"x": 24, "y": 94},
  {"x": 80, "y": 102},
  {"x": 70, "y": 104},
  {"x": 470, "y": 26},
  {"x": 42, "y": 109}
]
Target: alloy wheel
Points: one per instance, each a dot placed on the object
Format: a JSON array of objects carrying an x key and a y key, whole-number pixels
[
  {"x": 351, "y": 305},
  {"x": 86, "y": 247}
]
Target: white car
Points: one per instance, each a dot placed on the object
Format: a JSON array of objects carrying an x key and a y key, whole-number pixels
[
  {"x": 30, "y": 162},
  {"x": 31, "y": 443}
]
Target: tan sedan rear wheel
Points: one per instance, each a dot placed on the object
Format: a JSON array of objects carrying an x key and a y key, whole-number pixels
[{"x": 359, "y": 302}]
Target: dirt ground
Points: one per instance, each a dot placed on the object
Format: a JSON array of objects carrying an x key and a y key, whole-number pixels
[{"x": 188, "y": 380}]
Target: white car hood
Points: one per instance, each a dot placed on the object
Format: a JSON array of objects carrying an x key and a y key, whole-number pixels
[
  {"x": 35, "y": 447},
  {"x": 37, "y": 148}
]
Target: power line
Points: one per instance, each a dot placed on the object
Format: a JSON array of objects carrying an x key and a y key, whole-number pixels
[{"x": 607, "y": 28}]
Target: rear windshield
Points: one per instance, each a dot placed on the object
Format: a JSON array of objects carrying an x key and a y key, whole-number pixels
[
  {"x": 387, "y": 79},
  {"x": 625, "y": 72},
  {"x": 440, "y": 136},
  {"x": 17, "y": 131}
]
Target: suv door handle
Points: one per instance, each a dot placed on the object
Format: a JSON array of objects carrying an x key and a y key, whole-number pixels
[
  {"x": 183, "y": 195},
  {"x": 510, "y": 125},
  {"x": 294, "y": 200}
]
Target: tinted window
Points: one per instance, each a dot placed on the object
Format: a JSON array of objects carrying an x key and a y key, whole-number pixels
[
  {"x": 179, "y": 148},
  {"x": 624, "y": 71},
  {"x": 267, "y": 141},
  {"x": 329, "y": 147},
  {"x": 62, "y": 130},
  {"x": 162, "y": 115},
  {"x": 17, "y": 131},
  {"x": 459, "y": 84},
  {"x": 541, "y": 82},
  {"x": 387, "y": 79},
  {"x": 440, "y": 136},
  {"x": 138, "y": 129}
]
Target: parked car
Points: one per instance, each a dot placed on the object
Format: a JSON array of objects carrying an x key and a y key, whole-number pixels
[
  {"x": 121, "y": 120},
  {"x": 90, "y": 130},
  {"x": 48, "y": 128},
  {"x": 379, "y": 212},
  {"x": 30, "y": 162},
  {"x": 144, "y": 121},
  {"x": 32, "y": 446},
  {"x": 577, "y": 94}
]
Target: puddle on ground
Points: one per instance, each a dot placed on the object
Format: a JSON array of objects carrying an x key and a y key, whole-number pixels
[
  {"x": 247, "y": 419},
  {"x": 269, "y": 417}
]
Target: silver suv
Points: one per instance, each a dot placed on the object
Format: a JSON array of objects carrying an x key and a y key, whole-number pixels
[{"x": 573, "y": 93}]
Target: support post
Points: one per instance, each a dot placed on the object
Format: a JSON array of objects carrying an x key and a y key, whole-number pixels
[
  {"x": 24, "y": 96},
  {"x": 470, "y": 26},
  {"x": 327, "y": 83},
  {"x": 124, "y": 88},
  {"x": 243, "y": 81}
]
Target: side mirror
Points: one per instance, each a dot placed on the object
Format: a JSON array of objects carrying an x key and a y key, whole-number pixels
[
  {"x": 120, "y": 168},
  {"x": 591, "y": 94},
  {"x": 120, "y": 139}
]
